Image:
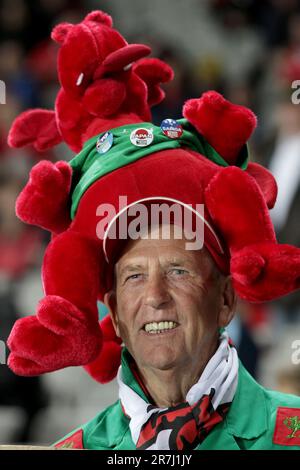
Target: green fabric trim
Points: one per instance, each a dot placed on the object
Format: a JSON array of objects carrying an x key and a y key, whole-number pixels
[
  {"x": 88, "y": 166},
  {"x": 249, "y": 396},
  {"x": 128, "y": 376}
]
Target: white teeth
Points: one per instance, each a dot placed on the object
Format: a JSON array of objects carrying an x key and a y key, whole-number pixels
[{"x": 158, "y": 327}]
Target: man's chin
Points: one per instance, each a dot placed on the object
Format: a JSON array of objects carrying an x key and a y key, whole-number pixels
[{"x": 161, "y": 357}]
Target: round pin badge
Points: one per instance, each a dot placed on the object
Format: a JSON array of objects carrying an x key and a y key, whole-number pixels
[
  {"x": 104, "y": 142},
  {"x": 171, "y": 128},
  {"x": 141, "y": 137}
]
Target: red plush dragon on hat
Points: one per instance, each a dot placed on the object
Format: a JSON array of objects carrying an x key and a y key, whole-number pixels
[{"x": 108, "y": 86}]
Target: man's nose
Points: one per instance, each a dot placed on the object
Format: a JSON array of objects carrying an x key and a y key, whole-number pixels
[{"x": 156, "y": 293}]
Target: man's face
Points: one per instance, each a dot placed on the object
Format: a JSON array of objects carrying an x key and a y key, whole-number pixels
[{"x": 158, "y": 280}]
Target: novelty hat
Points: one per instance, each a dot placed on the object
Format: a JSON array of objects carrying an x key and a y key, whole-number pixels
[{"x": 103, "y": 113}]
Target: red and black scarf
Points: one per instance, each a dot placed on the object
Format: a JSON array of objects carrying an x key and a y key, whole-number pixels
[{"x": 184, "y": 426}]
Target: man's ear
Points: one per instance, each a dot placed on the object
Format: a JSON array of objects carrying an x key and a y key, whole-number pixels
[
  {"x": 229, "y": 301},
  {"x": 111, "y": 305}
]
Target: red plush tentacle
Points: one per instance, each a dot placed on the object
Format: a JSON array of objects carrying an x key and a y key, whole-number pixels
[
  {"x": 265, "y": 181},
  {"x": 71, "y": 269},
  {"x": 45, "y": 199},
  {"x": 154, "y": 72},
  {"x": 57, "y": 336},
  {"x": 36, "y": 127},
  {"x": 105, "y": 367},
  {"x": 266, "y": 271},
  {"x": 261, "y": 269},
  {"x": 65, "y": 330},
  {"x": 238, "y": 209},
  {"x": 225, "y": 125},
  {"x": 136, "y": 98}
]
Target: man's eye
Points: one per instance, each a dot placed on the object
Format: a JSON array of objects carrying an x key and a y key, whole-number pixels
[
  {"x": 178, "y": 272},
  {"x": 132, "y": 277}
]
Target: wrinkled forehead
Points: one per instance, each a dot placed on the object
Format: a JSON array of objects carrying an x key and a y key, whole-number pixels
[
  {"x": 165, "y": 245},
  {"x": 167, "y": 234}
]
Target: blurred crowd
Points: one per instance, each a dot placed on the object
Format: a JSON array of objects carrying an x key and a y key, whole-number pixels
[{"x": 249, "y": 50}]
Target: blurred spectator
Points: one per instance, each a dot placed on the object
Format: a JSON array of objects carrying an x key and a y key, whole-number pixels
[
  {"x": 20, "y": 248},
  {"x": 23, "y": 396},
  {"x": 178, "y": 90},
  {"x": 15, "y": 21},
  {"x": 289, "y": 381},
  {"x": 18, "y": 79},
  {"x": 285, "y": 166},
  {"x": 19, "y": 243},
  {"x": 243, "y": 341}
]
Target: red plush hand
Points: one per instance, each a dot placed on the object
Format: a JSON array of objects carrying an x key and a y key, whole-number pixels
[
  {"x": 44, "y": 200},
  {"x": 58, "y": 336}
]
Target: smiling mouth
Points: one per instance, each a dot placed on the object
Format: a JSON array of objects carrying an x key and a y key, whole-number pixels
[{"x": 159, "y": 327}]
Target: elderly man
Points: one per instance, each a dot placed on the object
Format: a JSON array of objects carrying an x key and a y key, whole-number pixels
[{"x": 181, "y": 385}]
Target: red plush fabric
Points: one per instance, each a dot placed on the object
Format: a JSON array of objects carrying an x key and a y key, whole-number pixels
[
  {"x": 71, "y": 269},
  {"x": 266, "y": 271},
  {"x": 58, "y": 336},
  {"x": 72, "y": 118},
  {"x": 265, "y": 181},
  {"x": 99, "y": 17},
  {"x": 94, "y": 41},
  {"x": 213, "y": 113},
  {"x": 44, "y": 200},
  {"x": 99, "y": 91},
  {"x": 89, "y": 51},
  {"x": 60, "y": 31},
  {"x": 108, "y": 330},
  {"x": 37, "y": 127},
  {"x": 105, "y": 366},
  {"x": 238, "y": 217},
  {"x": 136, "y": 98},
  {"x": 258, "y": 263},
  {"x": 67, "y": 318},
  {"x": 97, "y": 99},
  {"x": 154, "y": 72},
  {"x": 121, "y": 59}
]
